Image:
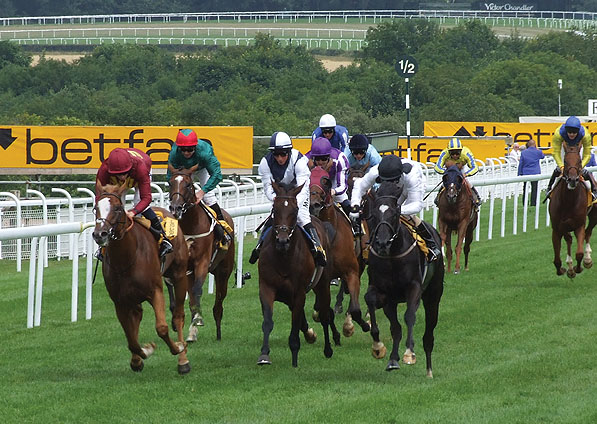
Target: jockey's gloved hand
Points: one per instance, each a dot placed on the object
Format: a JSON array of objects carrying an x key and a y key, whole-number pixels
[{"x": 355, "y": 219}]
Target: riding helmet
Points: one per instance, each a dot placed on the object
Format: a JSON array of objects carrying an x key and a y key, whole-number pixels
[
  {"x": 359, "y": 142},
  {"x": 327, "y": 121},
  {"x": 454, "y": 144},
  {"x": 119, "y": 161},
  {"x": 391, "y": 168},
  {"x": 280, "y": 141},
  {"x": 572, "y": 124},
  {"x": 321, "y": 147},
  {"x": 186, "y": 138}
]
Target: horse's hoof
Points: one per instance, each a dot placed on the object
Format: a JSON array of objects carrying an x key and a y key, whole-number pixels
[
  {"x": 429, "y": 373},
  {"x": 328, "y": 352},
  {"x": 348, "y": 329},
  {"x": 310, "y": 336},
  {"x": 571, "y": 274},
  {"x": 180, "y": 346},
  {"x": 378, "y": 351},
  {"x": 560, "y": 271},
  {"x": 193, "y": 331},
  {"x": 338, "y": 309},
  {"x": 264, "y": 360},
  {"x": 587, "y": 264},
  {"x": 366, "y": 327},
  {"x": 409, "y": 358},
  {"x": 315, "y": 316},
  {"x": 456, "y": 271},
  {"x": 393, "y": 365},
  {"x": 184, "y": 369},
  {"x": 137, "y": 367}
]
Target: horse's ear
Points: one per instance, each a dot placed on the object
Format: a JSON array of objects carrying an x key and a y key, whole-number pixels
[
  {"x": 311, "y": 164},
  {"x": 326, "y": 183},
  {"x": 296, "y": 190},
  {"x": 276, "y": 187},
  {"x": 99, "y": 188}
]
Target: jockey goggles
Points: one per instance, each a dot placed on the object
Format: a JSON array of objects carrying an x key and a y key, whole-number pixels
[{"x": 321, "y": 158}]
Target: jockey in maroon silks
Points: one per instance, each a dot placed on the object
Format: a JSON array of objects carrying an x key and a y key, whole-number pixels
[{"x": 131, "y": 167}]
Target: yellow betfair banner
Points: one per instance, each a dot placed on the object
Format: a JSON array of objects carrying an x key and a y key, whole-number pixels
[
  {"x": 39, "y": 149},
  {"x": 541, "y": 132}
]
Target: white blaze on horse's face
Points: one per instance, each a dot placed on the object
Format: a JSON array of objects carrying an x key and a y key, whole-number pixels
[
  {"x": 383, "y": 209},
  {"x": 178, "y": 179},
  {"x": 103, "y": 209},
  {"x": 286, "y": 203}
]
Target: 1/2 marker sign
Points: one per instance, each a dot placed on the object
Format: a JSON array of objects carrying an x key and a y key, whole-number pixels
[{"x": 406, "y": 66}]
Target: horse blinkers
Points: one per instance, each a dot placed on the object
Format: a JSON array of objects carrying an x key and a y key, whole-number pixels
[
  {"x": 452, "y": 187},
  {"x": 110, "y": 220}
]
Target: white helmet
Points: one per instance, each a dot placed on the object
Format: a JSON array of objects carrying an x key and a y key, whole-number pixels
[
  {"x": 280, "y": 141},
  {"x": 327, "y": 121}
]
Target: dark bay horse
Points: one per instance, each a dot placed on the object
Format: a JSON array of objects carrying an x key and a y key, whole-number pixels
[
  {"x": 456, "y": 214},
  {"x": 131, "y": 269},
  {"x": 568, "y": 211},
  {"x": 398, "y": 273},
  {"x": 344, "y": 263},
  {"x": 361, "y": 237},
  {"x": 204, "y": 254},
  {"x": 287, "y": 272}
]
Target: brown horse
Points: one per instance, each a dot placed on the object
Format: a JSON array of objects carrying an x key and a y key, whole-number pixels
[
  {"x": 204, "y": 254},
  {"x": 287, "y": 272},
  {"x": 568, "y": 211},
  {"x": 361, "y": 239},
  {"x": 131, "y": 269},
  {"x": 456, "y": 214},
  {"x": 345, "y": 264},
  {"x": 398, "y": 273}
]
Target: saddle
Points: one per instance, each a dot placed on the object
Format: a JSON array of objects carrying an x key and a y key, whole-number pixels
[
  {"x": 170, "y": 225},
  {"x": 229, "y": 232},
  {"x": 413, "y": 232}
]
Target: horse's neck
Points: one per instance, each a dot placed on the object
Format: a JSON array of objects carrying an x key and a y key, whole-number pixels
[
  {"x": 329, "y": 214},
  {"x": 121, "y": 253},
  {"x": 194, "y": 220}
]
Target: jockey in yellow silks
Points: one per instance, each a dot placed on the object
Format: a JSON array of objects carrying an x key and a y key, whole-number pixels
[
  {"x": 458, "y": 155},
  {"x": 571, "y": 132}
]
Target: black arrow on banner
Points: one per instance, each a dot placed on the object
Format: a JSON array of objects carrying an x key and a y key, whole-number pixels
[
  {"x": 480, "y": 131},
  {"x": 6, "y": 138}
]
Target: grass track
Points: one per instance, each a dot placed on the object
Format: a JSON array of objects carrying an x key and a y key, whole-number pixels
[{"x": 515, "y": 343}]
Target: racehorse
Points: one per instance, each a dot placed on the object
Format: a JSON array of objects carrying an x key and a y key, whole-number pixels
[
  {"x": 568, "y": 211},
  {"x": 456, "y": 214},
  {"x": 131, "y": 269},
  {"x": 398, "y": 273},
  {"x": 204, "y": 255},
  {"x": 361, "y": 235},
  {"x": 345, "y": 264},
  {"x": 287, "y": 272}
]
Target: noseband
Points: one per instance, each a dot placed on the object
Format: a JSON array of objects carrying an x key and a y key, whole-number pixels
[
  {"x": 187, "y": 197},
  {"x": 284, "y": 228},
  {"x": 385, "y": 222},
  {"x": 119, "y": 221}
]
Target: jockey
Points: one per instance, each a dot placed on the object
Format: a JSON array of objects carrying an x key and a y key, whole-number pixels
[
  {"x": 131, "y": 167},
  {"x": 336, "y": 164},
  {"x": 337, "y": 134},
  {"x": 460, "y": 156},
  {"x": 197, "y": 155},
  {"x": 284, "y": 164},
  {"x": 360, "y": 152},
  {"x": 571, "y": 132},
  {"x": 393, "y": 168}
]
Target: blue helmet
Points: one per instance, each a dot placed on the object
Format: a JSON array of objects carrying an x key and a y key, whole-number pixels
[
  {"x": 359, "y": 141},
  {"x": 572, "y": 124}
]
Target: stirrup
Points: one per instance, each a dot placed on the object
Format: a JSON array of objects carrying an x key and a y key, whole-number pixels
[
  {"x": 320, "y": 256},
  {"x": 254, "y": 256},
  {"x": 165, "y": 247}
]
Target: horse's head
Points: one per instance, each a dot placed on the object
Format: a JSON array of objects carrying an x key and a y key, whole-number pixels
[
  {"x": 110, "y": 217},
  {"x": 182, "y": 192},
  {"x": 320, "y": 188},
  {"x": 285, "y": 213},
  {"x": 355, "y": 171},
  {"x": 452, "y": 181},
  {"x": 572, "y": 165},
  {"x": 384, "y": 217}
]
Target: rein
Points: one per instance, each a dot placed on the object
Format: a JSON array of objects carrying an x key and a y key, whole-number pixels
[
  {"x": 284, "y": 228},
  {"x": 113, "y": 225}
]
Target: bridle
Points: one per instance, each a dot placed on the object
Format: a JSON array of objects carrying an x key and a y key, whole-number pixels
[
  {"x": 188, "y": 195},
  {"x": 283, "y": 228},
  {"x": 453, "y": 189},
  {"x": 384, "y": 221},
  {"x": 571, "y": 181},
  {"x": 119, "y": 221}
]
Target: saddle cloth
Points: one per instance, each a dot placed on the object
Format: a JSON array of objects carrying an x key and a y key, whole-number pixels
[
  {"x": 413, "y": 232},
  {"x": 169, "y": 224}
]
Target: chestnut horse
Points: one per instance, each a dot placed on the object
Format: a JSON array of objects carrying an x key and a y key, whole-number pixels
[
  {"x": 568, "y": 211},
  {"x": 287, "y": 272},
  {"x": 345, "y": 264},
  {"x": 456, "y": 214},
  {"x": 399, "y": 273},
  {"x": 131, "y": 269},
  {"x": 204, "y": 254}
]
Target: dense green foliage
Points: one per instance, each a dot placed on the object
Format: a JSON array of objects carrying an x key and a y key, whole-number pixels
[{"x": 465, "y": 73}]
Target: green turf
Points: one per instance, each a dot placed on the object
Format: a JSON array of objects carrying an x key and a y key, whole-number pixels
[{"x": 514, "y": 344}]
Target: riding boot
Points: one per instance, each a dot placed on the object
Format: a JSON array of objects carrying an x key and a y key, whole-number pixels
[
  {"x": 436, "y": 200},
  {"x": 222, "y": 228},
  {"x": 432, "y": 247},
  {"x": 476, "y": 198},
  {"x": 255, "y": 252},
  {"x": 588, "y": 176},
  {"x": 346, "y": 206},
  {"x": 165, "y": 245},
  {"x": 317, "y": 250},
  {"x": 556, "y": 173}
]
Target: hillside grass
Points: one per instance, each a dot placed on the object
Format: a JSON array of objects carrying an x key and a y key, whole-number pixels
[{"x": 514, "y": 343}]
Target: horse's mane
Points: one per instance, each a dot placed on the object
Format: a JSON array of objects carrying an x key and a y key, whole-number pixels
[{"x": 389, "y": 188}]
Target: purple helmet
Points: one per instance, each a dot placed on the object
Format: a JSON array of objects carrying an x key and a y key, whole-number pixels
[{"x": 321, "y": 147}]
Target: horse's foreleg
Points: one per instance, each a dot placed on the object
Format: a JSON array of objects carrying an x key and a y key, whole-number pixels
[
  {"x": 378, "y": 350},
  {"x": 130, "y": 318},
  {"x": 294, "y": 341},
  {"x": 412, "y": 304},
  {"x": 179, "y": 289},
  {"x": 221, "y": 278},
  {"x": 391, "y": 311},
  {"x": 468, "y": 240},
  {"x": 458, "y": 248},
  {"x": 431, "y": 298},
  {"x": 199, "y": 275},
  {"x": 266, "y": 297},
  {"x": 447, "y": 244},
  {"x": 338, "y": 308},
  {"x": 580, "y": 241},
  {"x": 354, "y": 287},
  {"x": 308, "y": 332},
  {"x": 556, "y": 241},
  {"x": 158, "y": 303}
]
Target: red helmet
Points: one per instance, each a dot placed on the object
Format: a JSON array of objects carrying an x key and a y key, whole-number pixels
[
  {"x": 119, "y": 161},
  {"x": 186, "y": 138}
]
